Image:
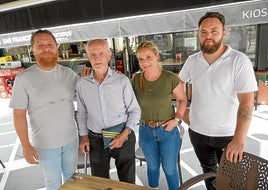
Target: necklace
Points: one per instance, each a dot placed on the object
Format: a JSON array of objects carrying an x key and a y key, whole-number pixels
[{"x": 149, "y": 83}]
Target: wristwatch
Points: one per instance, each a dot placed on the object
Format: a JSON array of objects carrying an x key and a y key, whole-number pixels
[{"x": 178, "y": 120}]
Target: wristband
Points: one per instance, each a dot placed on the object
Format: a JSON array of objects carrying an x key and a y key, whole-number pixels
[{"x": 178, "y": 115}]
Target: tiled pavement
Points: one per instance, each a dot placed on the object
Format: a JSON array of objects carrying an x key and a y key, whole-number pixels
[{"x": 20, "y": 175}]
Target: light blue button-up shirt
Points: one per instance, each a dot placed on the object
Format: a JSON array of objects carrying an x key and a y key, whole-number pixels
[{"x": 107, "y": 104}]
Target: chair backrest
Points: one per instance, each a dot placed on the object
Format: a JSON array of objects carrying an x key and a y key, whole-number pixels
[{"x": 249, "y": 174}]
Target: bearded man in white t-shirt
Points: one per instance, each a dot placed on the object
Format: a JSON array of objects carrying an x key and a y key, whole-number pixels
[{"x": 223, "y": 85}]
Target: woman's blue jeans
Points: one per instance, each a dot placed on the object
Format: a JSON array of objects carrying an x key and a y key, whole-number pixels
[
  {"x": 159, "y": 145},
  {"x": 58, "y": 164}
]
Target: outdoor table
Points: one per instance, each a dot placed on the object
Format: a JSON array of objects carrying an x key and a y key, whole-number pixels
[{"x": 87, "y": 182}]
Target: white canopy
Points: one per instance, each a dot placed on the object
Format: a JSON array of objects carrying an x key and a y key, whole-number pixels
[{"x": 236, "y": 14}]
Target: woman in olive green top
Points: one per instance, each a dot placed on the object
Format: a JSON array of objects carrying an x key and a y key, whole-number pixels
[{"x": 158, "y": 134}]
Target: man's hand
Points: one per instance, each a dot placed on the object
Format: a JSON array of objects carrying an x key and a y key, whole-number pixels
[
  {"x": 86, "y": 71},
  {"x": 119, "y": 140},
  {"x": 30, "y": 154},
  {"x": 85, "y": 144},
  {"x": 234, "y": 152}
]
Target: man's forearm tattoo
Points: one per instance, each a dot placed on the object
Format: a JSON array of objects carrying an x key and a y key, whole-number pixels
[{"x": 245, "y": 113}]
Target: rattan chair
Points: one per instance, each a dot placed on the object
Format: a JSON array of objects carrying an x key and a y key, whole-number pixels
[
  {"x": 140, "y": 156},
  {"x": 249, "y": 174}
]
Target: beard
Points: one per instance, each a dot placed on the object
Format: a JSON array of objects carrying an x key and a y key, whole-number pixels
[
  {"x": 210, "y": 49},
  {"x": 47, "y": 59}
]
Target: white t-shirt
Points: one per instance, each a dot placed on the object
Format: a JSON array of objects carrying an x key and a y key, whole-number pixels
[
  {"x": 214, "y": 105},
  {"x": 48, "y": 96}
]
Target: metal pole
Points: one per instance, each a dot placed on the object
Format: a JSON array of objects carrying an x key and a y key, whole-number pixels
[
  {"x": 2, "y": 164},
  {"x": 85, "y": 166},
  {"x": 126, "y": 58}
]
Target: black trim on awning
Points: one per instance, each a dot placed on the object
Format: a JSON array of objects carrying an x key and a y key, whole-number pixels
[
  {"x": 236, "y": 14},
  {"x": 64, "y": 12}
]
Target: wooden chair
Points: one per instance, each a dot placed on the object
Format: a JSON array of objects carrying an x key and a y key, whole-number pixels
[
  {"x": 140, "y": 156},
  {"x": 249, "y": 174}
]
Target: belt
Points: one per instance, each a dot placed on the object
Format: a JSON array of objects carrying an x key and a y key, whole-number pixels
[
  {"x": 153, "y": 124},
  {"x": 96, "y": 135}
]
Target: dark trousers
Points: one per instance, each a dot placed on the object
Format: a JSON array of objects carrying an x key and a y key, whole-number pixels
[
  {"x": 209, "y": 151},
  {"x": 124, "y": 158}
]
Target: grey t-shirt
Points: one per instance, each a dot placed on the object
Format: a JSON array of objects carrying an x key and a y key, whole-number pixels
[{"x": 48, "y": 96}]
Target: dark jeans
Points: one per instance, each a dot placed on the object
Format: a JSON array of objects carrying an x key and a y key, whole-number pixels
[
  {"x": 209, "y": 151},
  {"x": 124, "y": 158}
]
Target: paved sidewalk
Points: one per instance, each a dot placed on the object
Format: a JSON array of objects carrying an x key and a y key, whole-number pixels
[{"x": 18, "y": 174}]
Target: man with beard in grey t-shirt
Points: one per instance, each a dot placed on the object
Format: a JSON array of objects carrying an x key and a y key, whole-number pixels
[{"x": 46, "y": 91}]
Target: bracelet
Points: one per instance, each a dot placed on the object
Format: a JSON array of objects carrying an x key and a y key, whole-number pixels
[
  {"x": 178, "y": 120},
  {"x": 178, "y": 115}
]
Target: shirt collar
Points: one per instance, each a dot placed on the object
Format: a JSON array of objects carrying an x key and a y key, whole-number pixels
[{"x": 109, "y": 74}]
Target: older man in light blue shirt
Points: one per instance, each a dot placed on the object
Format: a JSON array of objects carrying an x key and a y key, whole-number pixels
[{"x": 106, "y": 102}]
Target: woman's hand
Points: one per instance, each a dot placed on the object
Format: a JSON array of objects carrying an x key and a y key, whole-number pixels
[{"x": 170, "y": 124}]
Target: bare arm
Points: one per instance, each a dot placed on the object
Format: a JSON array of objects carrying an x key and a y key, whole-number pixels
[
  {"x": 180, "y": 96},
  {"x": 236, "y": 147},
  {"x": 21, "y": 127}
]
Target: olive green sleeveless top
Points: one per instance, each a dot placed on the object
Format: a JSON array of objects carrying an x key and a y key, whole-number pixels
[{"x": 155, "y": 97}]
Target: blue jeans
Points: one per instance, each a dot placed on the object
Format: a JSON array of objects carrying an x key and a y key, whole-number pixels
[
  {"x": 158, "y": 146},
  {"x": 58, "y": 163}
]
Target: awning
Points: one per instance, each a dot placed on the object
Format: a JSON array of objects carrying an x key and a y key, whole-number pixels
[{"x": 236, "y": 14}]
